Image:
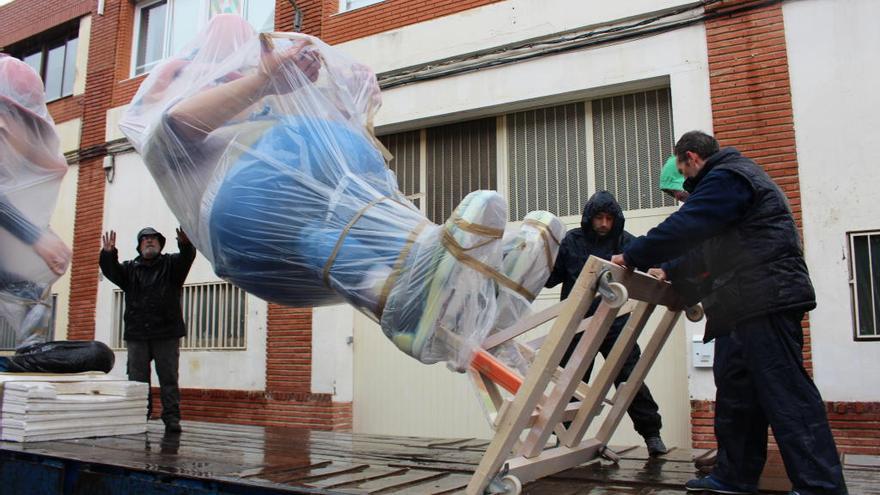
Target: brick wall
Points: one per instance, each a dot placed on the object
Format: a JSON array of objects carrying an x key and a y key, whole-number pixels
[
  {"x": 298, "y": 410},
  {"x": 855, "y": 426},
  {"x": 67, "y": 108},
  {"x": 100, "y": 84},
  {"x": 22, "y": 19},
  {"x": 321, "y": 17},
  {"x": 288, "y": 350},
  {"x": 751, "y": 99},
  {"x": 752, "y": 110}
]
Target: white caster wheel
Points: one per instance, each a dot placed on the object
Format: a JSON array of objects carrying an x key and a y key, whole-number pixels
[
  {"x": 620, "y": 294},
  {"x": 694, "y": 313},
  {"x": 512, "y": 485}
]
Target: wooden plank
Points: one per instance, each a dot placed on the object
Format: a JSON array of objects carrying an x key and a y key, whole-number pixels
[
  {"x": 524, "y": 325},
  {"x": 582, "y": 357},
  {"x": 626, "y": 309},
  {"x": 641, "y": 286},
  {"x": 330, "y": 470},
  {"x": 627, "y": 391},
  {"x": 592, "y": 403},
  {"x": 354, "y": 478},
  {"x": 447, "y": 484},
  {"x": 396, "y": 482},
  {"x": 538, "y": 377},
  {"x": 552, "y": 461},
  {"x": 278, "y": 472}
]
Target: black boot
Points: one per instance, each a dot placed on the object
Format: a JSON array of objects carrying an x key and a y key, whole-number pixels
[{"x": 656, "y": 447}]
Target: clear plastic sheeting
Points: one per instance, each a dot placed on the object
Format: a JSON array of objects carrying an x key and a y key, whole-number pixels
[
  {"x": 263, "y": 147},
  {"x": 32, "y": 257},
  {"x": 530, "y": 251}
]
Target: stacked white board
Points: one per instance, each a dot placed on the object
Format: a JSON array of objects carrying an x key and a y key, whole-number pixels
[{"x": 40, "y": 407}]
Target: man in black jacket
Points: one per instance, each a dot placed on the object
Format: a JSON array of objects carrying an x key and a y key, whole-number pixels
[
  {"x": 153, "y": 283},
  {"x": 601, "y": 234},
  {"x": 737, "y": 227}
]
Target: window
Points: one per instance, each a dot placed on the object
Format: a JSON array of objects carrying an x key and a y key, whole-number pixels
[
  {"x": 7, "y": 331},
  {"x": 214, "y": 314},
  {"x": 459, "y": 159},
  {"x": 54, "y": 59},
  {"x": 407, "y": 163},
  {"x": 632, "y": 137},
  {"x": 549, "y": 158},
  {"x": 346, "y": 5},
  {"x": 164, "y": 27},
  {"x": 865, "y": 283}
]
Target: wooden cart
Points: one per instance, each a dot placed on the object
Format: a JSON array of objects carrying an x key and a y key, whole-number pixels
[{"x": 549, "y": 395}]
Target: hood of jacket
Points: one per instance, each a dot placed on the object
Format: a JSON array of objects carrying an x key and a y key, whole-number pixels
[{"x": 602, "y": 202}]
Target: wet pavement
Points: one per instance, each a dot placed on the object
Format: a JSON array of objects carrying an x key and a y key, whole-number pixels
[{"x": 286, "y": 460}]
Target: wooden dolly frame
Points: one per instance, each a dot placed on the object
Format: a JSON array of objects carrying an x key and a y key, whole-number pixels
[{"x": 539, "y": 410}]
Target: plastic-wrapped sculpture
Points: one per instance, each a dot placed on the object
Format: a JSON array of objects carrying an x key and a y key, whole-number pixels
[
  {"x": 263, "y": 147},
  {"x": 32, "y": 257}
]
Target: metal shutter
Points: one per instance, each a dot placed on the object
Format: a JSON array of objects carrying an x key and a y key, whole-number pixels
[
  {"x": 461, "y": 158},
  {"x": 547, "y": 160},
  {"x": 407, "y": 160},
  {"x": 632, "y": 137}
]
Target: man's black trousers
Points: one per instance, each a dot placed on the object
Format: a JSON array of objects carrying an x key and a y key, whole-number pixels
[
  {"x": 643, "y": 411},
  {"x": 760, "y": 381},
  {"x": 166, "y": 354}
]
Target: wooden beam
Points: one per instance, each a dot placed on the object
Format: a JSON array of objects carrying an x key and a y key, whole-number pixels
[
  {"x": 538, "y": 377},
  {"x": 627, "y": 391},
  {"x": 572, "y": 375},
  {"x": 610, "y": 369},
  {"x": 641, "y": 286},
  {"x": 552, "y": 461},
  {"x": 626, "y": 309},
  {"x": 526, "y": 324}
]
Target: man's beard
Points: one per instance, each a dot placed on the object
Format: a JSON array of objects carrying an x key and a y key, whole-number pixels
[{"x": 149, "y": 252}]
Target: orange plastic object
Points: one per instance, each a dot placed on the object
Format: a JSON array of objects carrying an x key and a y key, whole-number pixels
[{"x": 490, "y": 367}]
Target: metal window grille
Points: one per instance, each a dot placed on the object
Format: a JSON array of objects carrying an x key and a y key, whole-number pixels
[
  {"x": 214, "y": 313},
  {"x": 865, "y": 283},
  {"x": 632, "y": 137},
  {"x": 7, "y": 331},
  {"x": 460, "y": 158},
  {"x": 407, "y": 163},
  {"x": 547, "y": 160}
]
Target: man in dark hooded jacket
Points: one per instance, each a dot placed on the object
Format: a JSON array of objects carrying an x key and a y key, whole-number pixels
[
  {"x": 737, "y": 227},
  {"x": 153, "y": 284},
  {"x": 602, "y": 235}
]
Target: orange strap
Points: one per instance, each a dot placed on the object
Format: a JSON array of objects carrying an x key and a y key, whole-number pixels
[{"x": 495, "y": 370}]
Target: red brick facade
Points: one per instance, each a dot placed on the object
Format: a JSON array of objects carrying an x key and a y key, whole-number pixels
[
  {"x": 322, "y": 17},
  {"x": 855, "y": 425},
  {"x": 100, "y": 82},
  {"x": 752, "y": 110},
  {"x": 751, "y": 94},
  {"x": 299, "y": 410},
  {"x": 21, "y": 20},
  {"x": 289, "y": 350}
]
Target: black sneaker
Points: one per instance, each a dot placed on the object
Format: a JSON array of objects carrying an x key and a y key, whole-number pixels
[
  {"x": 656, "y": 447},
  {"x": 173, "y": 427}
]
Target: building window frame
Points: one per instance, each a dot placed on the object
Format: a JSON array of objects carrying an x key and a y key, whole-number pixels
[
  {"x": 856, "y": 274},
  {"x": 204, "y": 9},
  {"x": 350, "y": 5},
  {"x": 504, "y": 169},
  {"x": 136, "y": 39},
  {"x": 215, "y": 314},
  {"x": 65, "y": 36}
]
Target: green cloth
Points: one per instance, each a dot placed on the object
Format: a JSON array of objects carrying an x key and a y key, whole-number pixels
[{"x": 670, "y": 178}]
